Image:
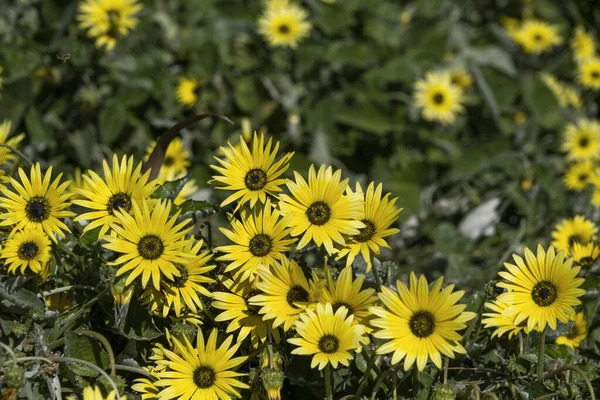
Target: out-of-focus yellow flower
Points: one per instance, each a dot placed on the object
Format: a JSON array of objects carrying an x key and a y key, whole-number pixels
[
  {"x": 108, "y": 20},
  {"x": 589, "y": 73},
  {"x": 526, "y": 185},
  {"x": 187, "y": 91},
  {"x": 566, "y": 95},
  {"x": 520, "y": 118},
  {"x": 536, "y": 37},
  {"x": 284, "y": 24},
  {"x": 461, "y": 78},
  {"x": 583, "y": 45},
  {"x": 510, "y": 24}
]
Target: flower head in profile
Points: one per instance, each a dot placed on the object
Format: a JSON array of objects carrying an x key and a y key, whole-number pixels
[
  {"x": 589, "y": 73},
  {"x": 585, "y": 255},
  {"x": 571, "y": 231},
  {"x": 579, "y": 175},
  {"x": 536, "y": 37},
  {"x": 331, "y": 338},
  {"x": 543, "y": 288},
  {"x": 26, "y": 249},
  {"x": 581, "y": 140},
  {"x": 577, "y": 332},
  {"x": 566, "y": 95},
  {"x": 36, "y": 203},
  {"x": 201, "y": 371},
  {"x": 501, "y": 323},
  {"x": 14, "y": 141},
  {"x": 188, "y": 90},
  {"x": 419, "y": 323},
  {"x": 439, "y": 99},
  {"x": 583, "y": 45},
  {"x": 123, "y": 184},
  {"x": 379, "y": 214},
  {"x": 319, "y": 210},
  {"x": 252, "y": 174},
  {"x": 283, "y": 24},
  {"x": 150, "y": 243},
  {"x": 108, "y": 20}
]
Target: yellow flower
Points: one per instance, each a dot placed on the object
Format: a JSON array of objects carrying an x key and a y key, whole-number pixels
[
  {"x": 26, "y": 249},
  {"x": 121, "y": 186},
  {"x": 582, "y": 140},
  {"x": 175, "y": 163},
  {"x": 438, "y": 98},
  {"x": 108, "y": 20},
  {"x": 37, "y": 203},
  {"x": 252, "y": 175},
  {"x": 589, "y": 73},
  {"x": 542, "y": 289},
  {"x": 577, "y": 332},
  {"x": 188, "y": 90},
  {"x": 526, "y": 184},
  {"x": 5, "y": 154},
  {"x": 570, "y": 231},
  {"x": 378, "y": 215},
  {"x": 286, "y": 293},
  {"x": 503, "y": 324},
  {"x": 150, "y": 243},
  {"x": 59, "y": 301},
  {"x": 283, "y": 24},
  {"x": 579, "y": 175},
  {"x": 583, "y": 45},
  {"x": 585, "y": 256},
  {"x": 204, "y": 371},
  {"x": 566, "y": 95},
  {"x": 187, "y": 191},
  {"x": 319, "y": 210},
  {"x": 520, "y": 118},
  {"x": 330, "y": 338},
  {"x": 94, "y": 393},
  {"x": 511, "y": 25},
  {"x": 146, "y": 388},
  {"x": 536, "y": 37},
  {"x": 461, "y": 78},
  {"x": 420, "y": 324}
]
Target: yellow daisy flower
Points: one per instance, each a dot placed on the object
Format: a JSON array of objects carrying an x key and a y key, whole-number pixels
[
  {"x": 204, "y": 371},
  {"x": 260, "y": 239},
  {"x": 28, "y": 248},
  {"x": 59, "y": 302},
  {"x": 284, "y": 24},
  {"x": 286, "y": 293},
  {"x": 582, "y": 140},
  {"x": 187, "y": 91},
  {"x": 583, "y": 44},
  {"x": 379, "y": 214},
  {"x": 542, "y": 289},
  {"x": 319, "y": 210},
  {"x": 94, "y": 393},
  {"x": 14, "y": 141},
  {"x": 150, "y": 243},
  {"x": 421, "y": 324},
  {"x": 579, "y": 175},
  {"x": 108, "y": 20},
  {"x": 252, "y": 175},
  {"x": 585, "y": 256},
  {"x": 577, "y": 332},
  {"x": 175, "y": 163},
  {"x": 566, "y": 95},
  {"x": 116, "y": 192},
  {"x": 461, "y": 78},
  {"x": 536, "y": 37},
  {"x": 330, "y": 338},
  {"x": 503, "y": 324},
  {"x": 438, "y": 98},
  {"x": 243, "y": 316},
  {"x": 589, "y": 73},
  {"x": 146, "y": 388},
  {"x": 37, "y": 203},
  {"x": 570, "y": 231}
]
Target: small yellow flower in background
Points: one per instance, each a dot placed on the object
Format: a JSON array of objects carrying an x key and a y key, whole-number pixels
[
  {"x": 596, "y": 183},
  {"x": 146, "y": 388},
  {"x": 566, "y": 95},
  {"x": 330, "y": 338},
  {"x": 187, "y": 91},
  {"x": 203, "y": 371},
  {"x": 420, "y": 324},
  {"x": 577, "y": 332},
  {"x": 246, "y": 130},
  {"x": 14, "y": 141},
  {"x": 284, "y": 24},
  {"x": 406, "y": 16},
  {"x": 36, "y": 203},
  {"x": 511, "y": 25},
  {"x": 583, "y": 45},
  {"x": 581, "y": 140},
  {"x": 461, "y": 77},
  {"x": 319, "y": 210},
  {"x": 520, "y": 118},
  {"x": 94, "y": 393},
  {"x": 542, "y": 289},
  {"x": 108, "y": 20},
  {"x": 589, "y": 73},
  {"x": 570, "y": 231},
  {"x": 175, "y": 163},
  {"x": 579, "y": 175},
  {"x": 585, "y": 255},
  {"x": 438, "y": 98},
  {"x": 26, "y": 249},
  {"x": 503, "y": 324},
  {"x": 379, "y": 213},
  {"x": 526, "y": 185},
  {"x": 536, "y": 37},
  {"x": 59, "y": 301}
]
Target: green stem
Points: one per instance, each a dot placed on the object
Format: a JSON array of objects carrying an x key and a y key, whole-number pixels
[
  {"x": 375, "y": 274},
  {"x": 270, "y": 348},
  {"x": 66, "y": 289},
  {"x": 365, "y": 378},
  {"x": 8, "y": 350},
  {"x": 109, "y": 350},
  {"x": 540, "y": 366},
  {"x": 128, "y": 368},
  {"x": 17, "y": 152},
  {"x": 395, "y": 383},
  {"x": 328, "y": 388},
  {"x": 446, "y": 363},
  {"x": 415, "y": 381},
  {"x": 378, "y": 384},
  {"x": 586, "y": 379}
]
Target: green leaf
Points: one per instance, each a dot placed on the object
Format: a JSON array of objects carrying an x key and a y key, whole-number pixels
[
  {"x": 351, "y": 53},
  {"x": 20, "y": 299},
  {"x": 246, "y": 94},
  {"x": 556, "y": 351},
  {"x": 87, "y": 349},
  {"x": 169, "y": 190},
  {"x": 139, "y": 324},
  {"x": 111, "y": 122},
  {"x": 541, "y": 101},
  {"x": 366, "y": 117},
  {"x": 448, "y": 239},
  {"x": 35, "y": 128},
  {"x": 491, "y": 56}
]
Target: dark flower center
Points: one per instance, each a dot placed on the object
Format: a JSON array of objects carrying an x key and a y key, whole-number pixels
[
  {"x": 318, "y": 213},
  {"x": 422, "y": 324},
  {"x": 537, "y": 37},
  {"x": 179, "y": 281},
  {"x": 252, "y": 310},
  {"x": 595, "y": 74},
  {"x": 28, "y": 250},
  {"x": 150, "y": 247},
  {"x": 119, "y": 201},
  {"x": 583, "y": 177},
  {"x": 366, "y": 233},
  {"x": 584, "y": 142},
  {"x": 336, "y": 306},
  {"x": 586, "y": 262},
  {"x": 168, "y": 161},
  {"x": 204, "y": 377},
  {"x": 113, "y": 23},
  {"x": 37, "y": 209},
  {"x": 438, "y": 98},
  {"x": 260, "y": 245},
  {"x": 575, "y": 239},
  {"x": 544, "y": 293},
  {"x": 283, "y": 28},
  {"x": 329, "y": 344},
  {"x": 573, "y": 332},
  {"x": 255, "y": 179},
  {"x": 297, "y": 294}
]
